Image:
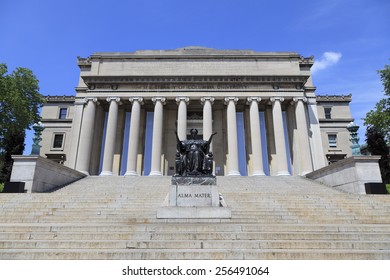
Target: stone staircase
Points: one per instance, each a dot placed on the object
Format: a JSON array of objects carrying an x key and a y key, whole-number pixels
[{"x": 272, "y": 218}]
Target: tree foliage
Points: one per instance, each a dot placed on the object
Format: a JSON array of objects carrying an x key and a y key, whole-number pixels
[
  {"x": 378, "y": 127},
  {"x": 379, "y": 118},
  {"x": 20, "y": 101},
  {"x": 13, "y": 146},
  {"x": 385, "y": 78}
]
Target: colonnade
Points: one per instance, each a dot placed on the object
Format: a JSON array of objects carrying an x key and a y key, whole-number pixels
[{"x": 280, "y": 168}]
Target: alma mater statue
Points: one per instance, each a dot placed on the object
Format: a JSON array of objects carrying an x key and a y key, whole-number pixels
[{"x": 193, "y": 157}]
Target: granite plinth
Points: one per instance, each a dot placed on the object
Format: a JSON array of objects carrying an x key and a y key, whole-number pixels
[
  {"x": 194, "y": 180},
  {"x": 193, "y": 195},
  {"x": 194, "y": 201}
]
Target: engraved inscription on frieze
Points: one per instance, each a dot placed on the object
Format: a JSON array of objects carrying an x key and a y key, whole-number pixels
[
  {"x": 173, "y": 87},
  {"x": 194, "y": 83}
]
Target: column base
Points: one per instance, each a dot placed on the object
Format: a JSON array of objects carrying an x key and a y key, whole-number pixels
[
  {"x": 106, "y": 173},
  {"x": 155, "y": 173},
  {"x": 234, "y": 173},
  {"x": 282, "y": 173},
  {"x": 131, "y": 173},
  {"x": 258, "y": 173}
]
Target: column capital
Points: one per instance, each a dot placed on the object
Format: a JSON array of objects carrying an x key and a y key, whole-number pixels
[
  {"x": 182, "y": 98},
  {"x": 273, "y": 99},
  {"x": 231, "y": 98},
  {"x": 138, "y": 99},
  {"x": 300, "y": 98},
  {"x": 253, "y": 99},
  {"x": 159, "y": 98},
  {"x": 93, "y": 99},
  {"x": 207, "y": 98},
  {"x": 116, "y": 99}
]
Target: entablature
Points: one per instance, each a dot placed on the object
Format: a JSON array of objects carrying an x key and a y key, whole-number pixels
[{"x": 194, "y": 83}]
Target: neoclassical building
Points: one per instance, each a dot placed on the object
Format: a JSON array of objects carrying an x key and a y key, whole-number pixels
[{"x": 263, "y": 106}]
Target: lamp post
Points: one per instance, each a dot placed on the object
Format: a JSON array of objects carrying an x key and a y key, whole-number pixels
[
  {"x": 38, "y": 128},
  {"x": 353, "y": 128}
]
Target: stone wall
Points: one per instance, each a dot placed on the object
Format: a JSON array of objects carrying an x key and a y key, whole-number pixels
[
  {"x": 41, "y": 174},
  {"x": 350, "y": 174}
]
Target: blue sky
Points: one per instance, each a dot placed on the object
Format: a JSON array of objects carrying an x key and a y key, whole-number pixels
[{"x": 350, "y": 39}]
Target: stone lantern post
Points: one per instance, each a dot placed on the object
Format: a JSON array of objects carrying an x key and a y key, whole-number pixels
[
  {"x": 38, "y": 128},
  {"x": 353, "y": 128}
]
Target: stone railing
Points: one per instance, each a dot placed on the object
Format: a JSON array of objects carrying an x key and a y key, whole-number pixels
[
  {"x": 41, "y": 175},
  {"x": 350, "y": 174}
]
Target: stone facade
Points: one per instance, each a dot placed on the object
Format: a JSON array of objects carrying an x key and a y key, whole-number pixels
[
  {"x": 128, "y": 105},
  {"x": 334, "y": 115}
]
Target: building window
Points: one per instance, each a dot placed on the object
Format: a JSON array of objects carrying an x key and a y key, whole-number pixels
[
  {"x": 328, "y": 113},
  {"x": 63, "y": 113},
  {"x": 58, "y": 141},
  {"x": 332, "y": 140}
]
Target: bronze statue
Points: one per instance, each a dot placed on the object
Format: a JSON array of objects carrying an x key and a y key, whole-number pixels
[{"x": 193, "y": 157}]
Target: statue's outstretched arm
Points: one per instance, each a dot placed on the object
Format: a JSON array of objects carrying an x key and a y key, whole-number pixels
[
  {"x": 177, "y": 136},
  {"x": 211, "y": 137},
  {"x": 180, "y": 145}
]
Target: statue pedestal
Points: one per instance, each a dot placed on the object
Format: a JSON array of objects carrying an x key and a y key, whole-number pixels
[{"x": 194, "y": 197}]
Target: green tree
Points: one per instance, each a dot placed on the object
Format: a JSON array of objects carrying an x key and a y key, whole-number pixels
[
  {"x": 13, "y": 146},
  {"x": 377, "y": 145},
  {"x": 380, "y": 116},
  {"x": 20, "y": 102},
  {"x": 385, "y": 78}
]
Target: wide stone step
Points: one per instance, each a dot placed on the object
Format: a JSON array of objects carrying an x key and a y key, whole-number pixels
[
  {"x": 131, "y": 216},
  {"x": 193, "y": 228},
  {"x": 194, "y": 236},
  {"x": 217, "y": 254},
  {"x": 272, "y": 218},
  {"x": 196, "y": 244},
  {"x": 185, "y": 227}
]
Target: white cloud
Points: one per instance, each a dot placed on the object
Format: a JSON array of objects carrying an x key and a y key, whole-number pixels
[{"x": 327, "y": 59}]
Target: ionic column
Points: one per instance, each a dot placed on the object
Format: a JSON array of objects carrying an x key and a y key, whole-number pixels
[
  {"x": 280, "y": 144},
  {"x": 109, "y": 146},
  {"x": 315, "y": 139},
  {"x": 207, "y": 118},
  {"x": 303, "y": 137},
  {"x": 257, "y": 154},
  {"x": 131, "y": 169},
  {"x": 76, "y": 128},
  {"x": 232, "y": 136},
  {"x": 86, "y": 136},
  {"x": 157, "y": 136},
  {"x": 182, "y": 117}
]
